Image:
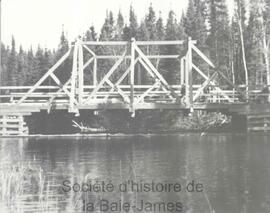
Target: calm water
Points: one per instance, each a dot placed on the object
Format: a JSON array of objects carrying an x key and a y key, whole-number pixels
[{"x": 234, "y": 170}]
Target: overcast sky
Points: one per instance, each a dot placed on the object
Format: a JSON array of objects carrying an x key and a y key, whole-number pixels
[{"x": 34, "y": 22}]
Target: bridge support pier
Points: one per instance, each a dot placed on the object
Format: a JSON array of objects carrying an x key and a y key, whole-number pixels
[
  {"x": 239, "y": 123},
  {"x": 258, "y": 123},
  {"x": 251, "y": 123},
  {"x": 13, "y": 124},
  {"x": 253, "y": 118}
]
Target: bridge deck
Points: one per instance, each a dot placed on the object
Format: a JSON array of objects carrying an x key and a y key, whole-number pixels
[
  {"x": 49, "y": 98},
  {"x": 28, "y": 108}
]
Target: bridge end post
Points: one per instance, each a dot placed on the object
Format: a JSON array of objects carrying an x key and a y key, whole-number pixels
[
  {"x": 132, "y": 69},
  {"x": 95, "y": 72},
  {"x": 182, "y": 71},
  {"x": 188, "y": 76},
  {"x": 80, "y": 72},
  {"x": 74, "y": 74}
]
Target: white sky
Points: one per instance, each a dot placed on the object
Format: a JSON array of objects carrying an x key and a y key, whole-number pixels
[{"x": 34, "y": 22}]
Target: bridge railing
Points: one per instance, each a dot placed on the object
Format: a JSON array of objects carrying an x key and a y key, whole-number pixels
[{"x": 42, "y": 94}]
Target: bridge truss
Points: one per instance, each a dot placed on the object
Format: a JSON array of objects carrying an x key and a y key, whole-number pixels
[{"x": 118, "y": 87}]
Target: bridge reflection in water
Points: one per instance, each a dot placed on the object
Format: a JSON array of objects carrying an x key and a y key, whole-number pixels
[{"x": 234, "y": 170}]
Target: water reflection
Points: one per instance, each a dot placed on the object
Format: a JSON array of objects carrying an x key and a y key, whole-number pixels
[{"x": 234, "y": 169}]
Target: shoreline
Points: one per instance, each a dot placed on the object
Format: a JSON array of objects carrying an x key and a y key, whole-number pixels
[{"x": 121, "y": 135}]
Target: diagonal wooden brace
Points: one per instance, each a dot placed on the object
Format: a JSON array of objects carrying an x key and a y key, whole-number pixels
[
  {"x": 155, "y": 77},
  {"x": 232, "y": 84},
  {"x": 204, "y": 85},
  {"x": 155, "y": 72},
  {"x": 57, "y": 81},
  {"x": 88, "y": 62},
  {"x": 55, "y": 95},
  {"x": 147, "y": 92},
  {"x": 121, "y": 78},
  {"x": 111, "y": 71},
  {"x": 45, "y": 76},
  {"x": 211, "y": 83},
  {"x": 119, "y": 90},
  {"x": 89, "y": 50}
]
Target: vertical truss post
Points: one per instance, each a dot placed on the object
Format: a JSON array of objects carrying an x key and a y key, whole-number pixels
[
  {"x": 188, "y": 74},
  {"x": 73, "y": 79},
  {"x": 95, "y": 72},
  {"x": 139, "y": 74},
  {"x": 132, "y": 69},
  {"x": 187, "y": 78},
  {"x": 80, "y": 73},
  {"x": 182, "y": 71}
]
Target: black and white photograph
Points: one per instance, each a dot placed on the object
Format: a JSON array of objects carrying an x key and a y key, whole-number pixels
[{"x": 134, "y": 106}]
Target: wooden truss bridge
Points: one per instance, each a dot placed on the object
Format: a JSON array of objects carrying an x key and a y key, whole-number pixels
[{"x": 119, "y": 87}]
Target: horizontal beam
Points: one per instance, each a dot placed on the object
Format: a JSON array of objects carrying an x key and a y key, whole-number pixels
[
  {"x": 26, "y": 87},
  {"x": 139, "y": 87},
  {"x": 105, "y": 43},
  {"x": 116, "y": 43},
  {"x": 179, "y": 42},
  {"x": 129, "y": 57},
  {"x": 137, "y": 90},
  {"x": 35, "y": 107},
  {"x": 122, "y": 86},
  {"x": 47, "y": 95}
]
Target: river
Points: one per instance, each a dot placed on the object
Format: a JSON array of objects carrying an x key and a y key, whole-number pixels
[{"x": 231, "y": 170}]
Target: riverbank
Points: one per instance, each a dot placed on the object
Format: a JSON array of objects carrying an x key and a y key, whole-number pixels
[
  {"x": 155, "y": 122},
  {"x": 121, "y": 122}
]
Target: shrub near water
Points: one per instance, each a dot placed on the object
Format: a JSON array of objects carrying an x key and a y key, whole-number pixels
[{"x": 22, "y": 188}]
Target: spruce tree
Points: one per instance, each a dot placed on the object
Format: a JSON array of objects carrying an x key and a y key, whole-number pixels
[
  {"x": 190, "y": 20},
  {"x": 130, "y": 31},
  {"x": 31, "y": 67},
  {"x": 170, "y": 67},
  {"x": 181, "y": 28},
  {"x": 255, "y": 44},
  {"x": 219, "y": 38},
  {"x": 90, "y": 34},
  {"x": 150, "y": 23},
  {"x": 160, "y": 28},
  {"x": 237, "y": 68},
  {"x": 133, "y": 24},
  {"x": 142, "y": 35},
  {"x": 119, "y": 36},
  {"x": 107, "y": 34},
  {"x": 22, "y": 66},
  {"x": 195, "y": 28},
  {"x": 64, "y": 71},
  {"x": 4, "y": 62},
  {"x": 63, "y": 45},
  {"x": 39, "y": 57},
  {"x": 239, "y": 32},
  {"x": 12, "y": 65},
  {"x": 119, "y": 27},
  {"x": 107, "y": 29},
  {"x": 151, "y": 26},
  {"x": 266, "y": 39}
]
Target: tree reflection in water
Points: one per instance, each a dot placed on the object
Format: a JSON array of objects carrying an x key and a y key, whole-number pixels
[{"x": 234, "y": 169}]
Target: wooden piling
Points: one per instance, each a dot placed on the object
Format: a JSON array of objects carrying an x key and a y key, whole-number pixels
[{"x": 13, "y": 124}]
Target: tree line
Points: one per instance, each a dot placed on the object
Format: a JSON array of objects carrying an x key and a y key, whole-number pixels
[{"x": 239, "y": 45}]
